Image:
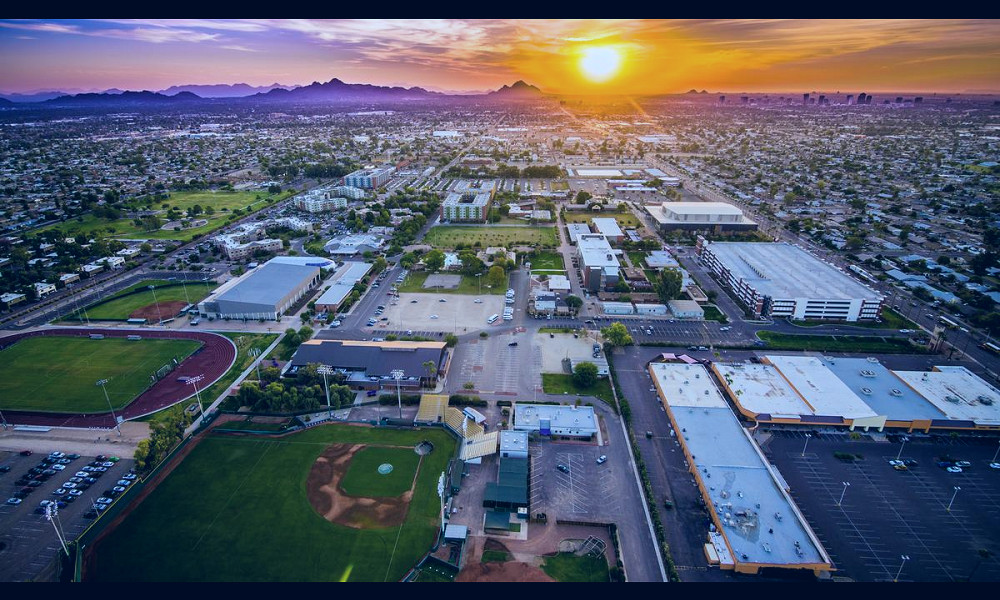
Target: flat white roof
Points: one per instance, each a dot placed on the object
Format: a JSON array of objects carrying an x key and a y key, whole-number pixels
[
  {"x": 762, "y": 390},
  {"x": 957, "y": 392},
  {"x": 596, "y": 251},
  {"x": 820, "y": 388},
  {"x": 687, "y": 385},
  {"x": 559, "y": 416},
  {"x": 511, "y": 440},
  {"x": 607, "y": 226},
  {"x": 783, "y": 271},
  {"x": 702, "y": 208}
]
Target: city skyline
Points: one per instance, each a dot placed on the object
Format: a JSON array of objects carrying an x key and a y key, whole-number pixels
[{"x": 566, "y": 57}]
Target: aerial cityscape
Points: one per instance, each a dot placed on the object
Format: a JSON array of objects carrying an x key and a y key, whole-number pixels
[{"x": 500, "y": 300}]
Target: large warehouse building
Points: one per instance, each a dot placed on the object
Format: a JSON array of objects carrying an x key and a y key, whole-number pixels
[
  {"x": 263, "y": 293},
  {"x": 696, "y": 216},
  {"x": 757, "y": 524},
  {"x": 369, "y": 365},
  {"x": 779, "y": 280}
]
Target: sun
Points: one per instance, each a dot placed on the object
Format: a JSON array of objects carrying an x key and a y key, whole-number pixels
[{"x": 600, "y": 63}]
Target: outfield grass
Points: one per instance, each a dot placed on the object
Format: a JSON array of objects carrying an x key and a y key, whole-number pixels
[
  {"x": 561, "y": 383},
  {"x": 120, "y": 307},
  {"x": 414, "y": 284},
  {"x": 363, "y": 479},
  {"x": 568, "y": 567},
  {"x": 236, "y": 510},
  {"x": 625, "y": 220},
  {"x": 58, "y": 374},
  {"x": 450, "y": 236},
  {"x": 838, "y": 343},
  {"x": 89, "y": 224}
]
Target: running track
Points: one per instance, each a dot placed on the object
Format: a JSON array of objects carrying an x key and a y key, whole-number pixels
[{"x": 212, "y": 360}]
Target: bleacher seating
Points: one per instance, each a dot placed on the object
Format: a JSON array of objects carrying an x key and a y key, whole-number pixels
[
  {"x": 483, "y": 445},
  {"x": 432, "y": 407}
]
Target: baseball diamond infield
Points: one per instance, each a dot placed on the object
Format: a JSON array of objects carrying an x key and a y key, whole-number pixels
[
  {"x": 214, "y": 357},
  {"x": 241, "y": 507}
]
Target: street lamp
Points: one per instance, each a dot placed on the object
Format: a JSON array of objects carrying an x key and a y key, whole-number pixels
[
  {"x": 397, "y": 374},
  {"x": 953, "y": 498},
  {"x": 159, "y": 317},
  {"x": 905, "y": 558},
  {"x": 479, "y": 278},
  {"x": 194, "y": 381},
  {"x": 847, "y": 484},
  {"x": 808, "y": 436},
  {"x": 325, "y": 370},
  {"x": 102, "y": 383},
  {"x": 904, "y": 439}
]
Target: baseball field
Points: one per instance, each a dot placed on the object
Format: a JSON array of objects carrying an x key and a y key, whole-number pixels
[
  {"x": 311, "y": 506},
  {"x": 170, "y": 301},
  {"x": 58, "y": 374}
]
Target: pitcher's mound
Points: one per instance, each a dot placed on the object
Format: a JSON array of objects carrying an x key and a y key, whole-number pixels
[
  {"x": 508, "y": 571},
  {"x": 326, "y": 497}
]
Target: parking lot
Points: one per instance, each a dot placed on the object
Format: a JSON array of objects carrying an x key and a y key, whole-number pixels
[
  {"x": 425, "y": 312},
  {"x": 887, "y": 514},
  {"x": 585, "y": 491},
  {"x": 28, "y": 542},
  {"x": 493, "y": 365}
]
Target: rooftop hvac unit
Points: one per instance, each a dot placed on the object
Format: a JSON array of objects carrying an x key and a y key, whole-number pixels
[
  {"x": 895, "y": 392},
  {"x": 954, "y": 399},
  {"x": 866, "y": 391},
  {"x": 985, "y": 400},
  {"x": 867, "y": 373},
  {"x": 872, "y": 360}
]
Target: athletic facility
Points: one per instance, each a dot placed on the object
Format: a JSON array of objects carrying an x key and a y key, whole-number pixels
[
  {"x": 50, "y": 376},
  {"x": 332, "y": 503}
]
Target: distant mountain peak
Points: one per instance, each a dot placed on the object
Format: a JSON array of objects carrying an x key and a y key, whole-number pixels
[{"x": 518, "y": 89}]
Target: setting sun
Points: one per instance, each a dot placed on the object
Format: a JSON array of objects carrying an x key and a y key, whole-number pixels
[{"x": 600, "y": 63}]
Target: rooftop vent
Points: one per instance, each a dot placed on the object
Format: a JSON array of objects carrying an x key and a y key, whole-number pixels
[
  {"x": 985, "y": 400},
  {"x": 954, "y": 399},
  {"x": 866, "y": 391},
  {"x": 867, "y": 373},
  {"x": 895, "y": 392}
]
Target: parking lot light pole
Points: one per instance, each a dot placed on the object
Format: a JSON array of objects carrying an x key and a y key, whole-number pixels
[
  {"x": 397, "y": 374},
  {"x": 905, "y": 558},
  {"x": 904, "y": 439},
  {"x": 804, "y": 446},
  {"x": 953, "y": 498},
  {"x": 102, "y": 383},
  {"x": 847, "y": 484},
  {"x": 997, "y": 453}
]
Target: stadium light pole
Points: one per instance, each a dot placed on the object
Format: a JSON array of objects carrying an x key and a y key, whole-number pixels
[
  {"x": 904, "y": 439},
  {"x": 194, "y": 381},
  {"x": 397, "y": 374},
  {"x": 325, "y": 370},
  {"x": 847, "y": 484},
  {"x": 997, "y": 453},
  {"x": 804, "y": 446},
  {"x": 3, "y": 421},
  {"x": 51, "y": 512},
  {"x": 159, "y": 319},
  {"x": 103, "y": 383},
  {"x": 905, "y": 558},
  {"x": 957, "y": 489}
]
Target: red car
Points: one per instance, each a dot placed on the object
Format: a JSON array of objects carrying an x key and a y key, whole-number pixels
[{"x": 25, "y": 452}]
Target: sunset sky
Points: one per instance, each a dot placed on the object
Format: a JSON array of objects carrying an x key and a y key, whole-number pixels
[{"x": 639, "y": 57}]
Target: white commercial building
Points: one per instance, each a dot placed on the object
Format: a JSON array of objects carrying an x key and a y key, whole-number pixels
[
  {"x": 43, "y": 289},
  {"x": 686, "y": 309},
  {"x": 369, "y": 179},
  {"x": 609, "y": 228},
  {"x": 263, "y": 293},
  {"x": 598, "y": 263},
  {"x": 617, "y": 308},
  {"x": 717, "y": 216},
  {"x": 779, "y": 280},
  {"x": 549, "y": 419}
]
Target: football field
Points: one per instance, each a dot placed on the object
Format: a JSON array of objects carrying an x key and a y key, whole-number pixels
[{"x": 59, "y": 374}]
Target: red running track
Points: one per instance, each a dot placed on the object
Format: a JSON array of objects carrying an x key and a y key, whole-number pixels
[{"x": 212, "y": 360}]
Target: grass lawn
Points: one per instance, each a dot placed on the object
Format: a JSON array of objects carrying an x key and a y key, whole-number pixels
[
  {"x": 252, "y": 426},
  {"x": 890, "y": 320},
  {"x": 120, "y": 307},
  {"x": 557, "y": 330},
  {"x": 712, "y": 313},
  {"x": 428, "y": 575},
  {"x": 414, "y": 283},
  {"x": 637, "y": 258},
  {"x": 449, "y": 236},
  {"x": 838, "y": 343},
  {"x": 222, "y": 202},
  {"x": 363, "y": 479},
  {"x": 568, "y": 567},
  {"x": 495, "y": 556},
  {"x": 237, "y": 511},
  {"x": 245, "y": 342},
  {"x": 625, "y": 220},
  {"x": 58, "y": 374},
  {"x": 548, "y": 261},
  {"x": 561, "y": 383}
]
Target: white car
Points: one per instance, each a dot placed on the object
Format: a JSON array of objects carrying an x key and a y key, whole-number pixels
[
  {"x": 954, "y": 469},
  {"x": 13, "y": 501},
  {"x": 58, "y": 467},
  {"x": 434, "y": 316},
  {"x": 602, "y": 459},
  {"x": 478, "y": 300}
]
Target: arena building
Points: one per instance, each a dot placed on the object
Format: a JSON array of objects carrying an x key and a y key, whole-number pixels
[{"x": 262, "y": 293}]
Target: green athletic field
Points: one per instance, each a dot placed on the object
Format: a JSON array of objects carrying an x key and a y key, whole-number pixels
[
  {"x": 363, "y": 479},
  {"x": 449, "y": 236},
  {"x": 236, "y": 510},
  {"x": 58, "y": 374},
  {"x": 120, "y": 307}
]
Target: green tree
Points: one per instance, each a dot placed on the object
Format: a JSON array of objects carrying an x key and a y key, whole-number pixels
[
  {"x": 434, "y": 260},
  {"x": 585, "y": 375},
  {"x": 616, "y": 334},
  {"x": 496, "y": 276},
  {"x": 574, "y": 302},
  {"x": 668, "y": 285},
  {"x": 582, "y": 197},
  {"x": 450, "y": 340}
]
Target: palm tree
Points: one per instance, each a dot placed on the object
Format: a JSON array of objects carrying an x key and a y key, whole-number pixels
[{"x": 431, "y": 367}]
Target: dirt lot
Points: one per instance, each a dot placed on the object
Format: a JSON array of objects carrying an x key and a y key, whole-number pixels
[
  {"x": 458, "y": 311},
  {"x": 155, "y": 313},
  {"x": 325, "y": 495},
  {"x": 558, "y": 346}
]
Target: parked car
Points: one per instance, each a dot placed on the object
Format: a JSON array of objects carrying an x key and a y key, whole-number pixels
[
  {"x": 954, "y": 469},
  {"x": 25, "y": 452},
  {"x": 563, "y": 468},
  {"x": 602, "y": 459}
]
